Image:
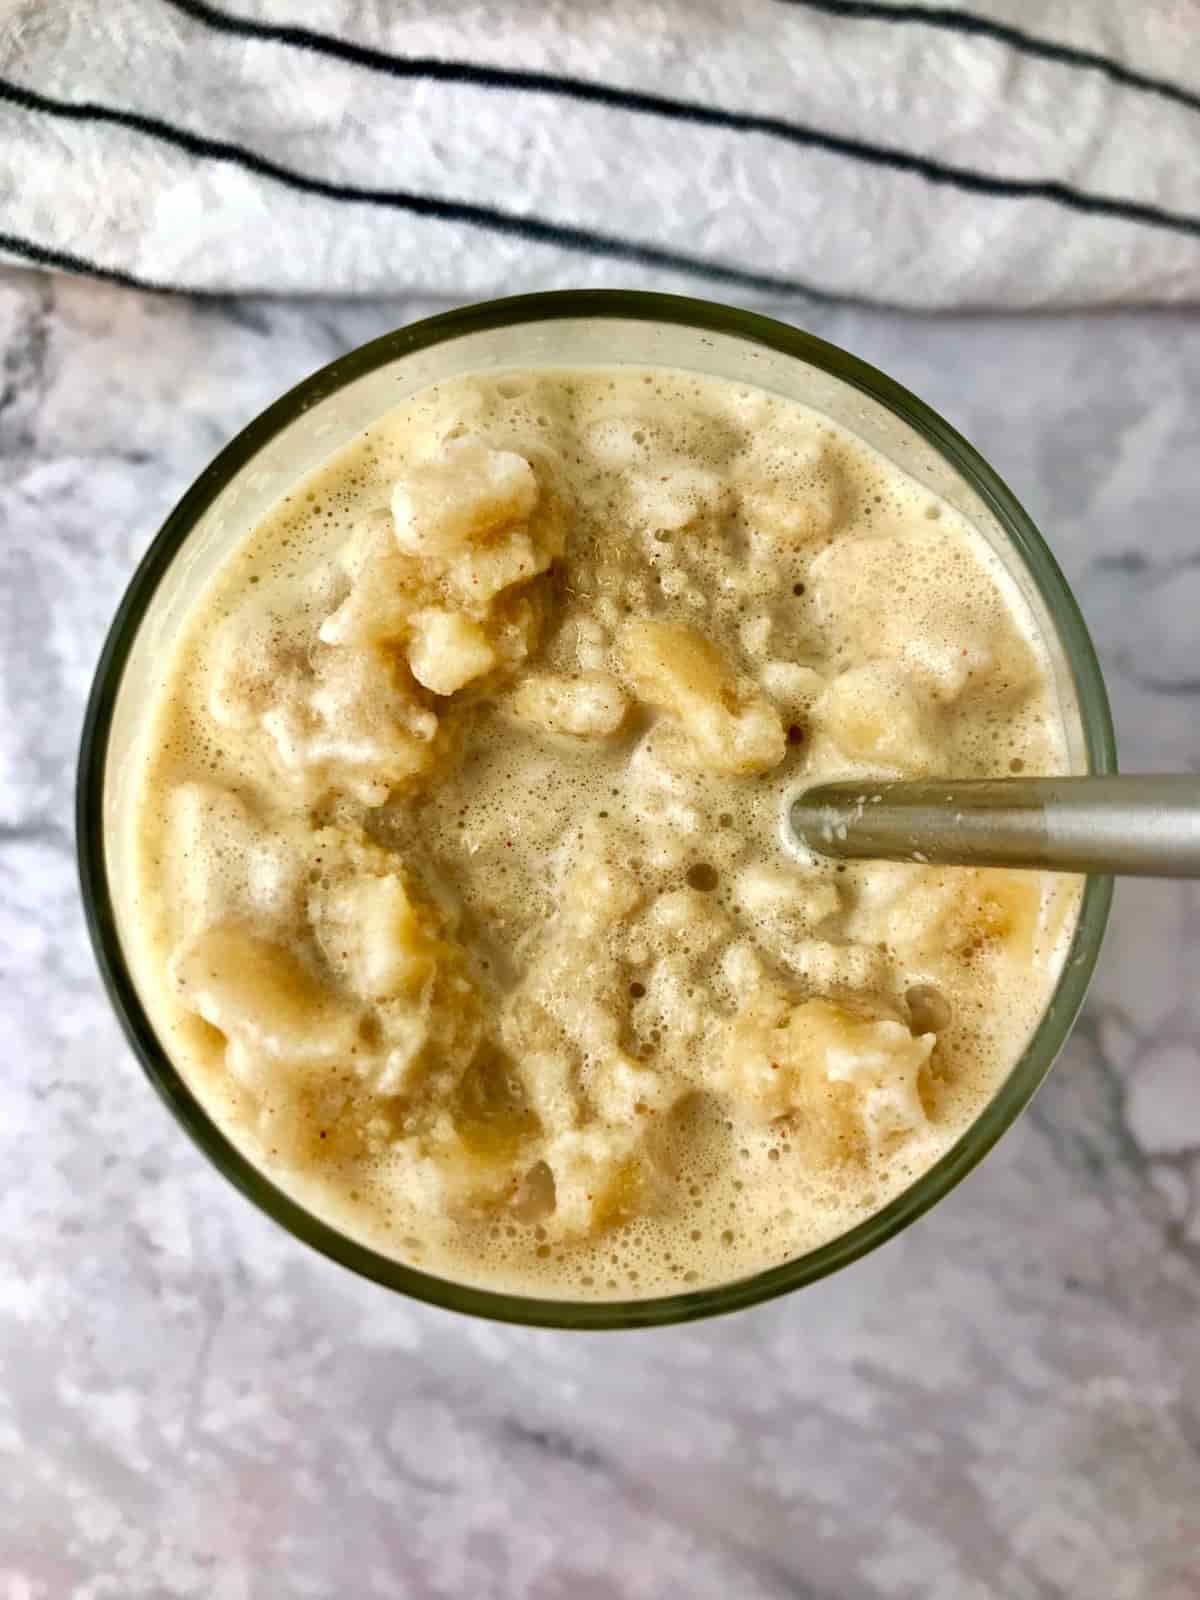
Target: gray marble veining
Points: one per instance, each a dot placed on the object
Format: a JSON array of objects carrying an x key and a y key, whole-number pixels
[{"x": 1003, "y": 1402}]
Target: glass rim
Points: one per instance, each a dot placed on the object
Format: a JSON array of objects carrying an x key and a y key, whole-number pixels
[{"x": 497, "y": 1305}]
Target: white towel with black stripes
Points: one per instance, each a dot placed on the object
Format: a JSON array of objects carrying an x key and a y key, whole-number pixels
[{"x": 1021, "y": 153}]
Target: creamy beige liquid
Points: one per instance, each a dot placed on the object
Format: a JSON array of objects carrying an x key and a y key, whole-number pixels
[{"x": 460, "y": 893}]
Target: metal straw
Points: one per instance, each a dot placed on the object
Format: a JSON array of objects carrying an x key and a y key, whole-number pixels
[{"x": 1148, "y": 827}]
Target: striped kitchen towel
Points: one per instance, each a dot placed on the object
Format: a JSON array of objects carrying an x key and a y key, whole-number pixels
[{"x": 1020, "y": 153}]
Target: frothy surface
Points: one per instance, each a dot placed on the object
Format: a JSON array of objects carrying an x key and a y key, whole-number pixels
[{"x": 460, "y": 898}]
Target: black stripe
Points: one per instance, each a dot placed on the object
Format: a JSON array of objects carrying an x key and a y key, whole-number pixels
[
  {"x": 487, "y": 77},
  {"x": 564, "y": 235},
  {"x": 67, "y": 261},
  {"x": 967, "y": 22}
]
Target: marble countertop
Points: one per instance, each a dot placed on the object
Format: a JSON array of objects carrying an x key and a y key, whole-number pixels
[{"x": 1005, "y": 1401}]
